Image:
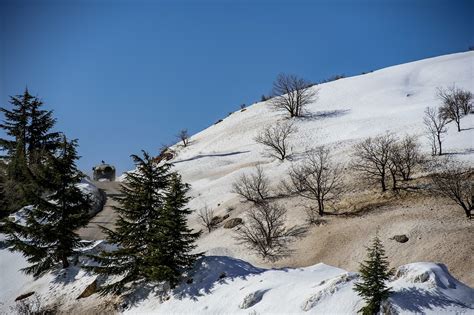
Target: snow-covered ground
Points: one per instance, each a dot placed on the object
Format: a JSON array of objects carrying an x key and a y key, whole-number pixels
[
  {"x": 320, "y": 289},
  {"x": 348, "y": 110}
]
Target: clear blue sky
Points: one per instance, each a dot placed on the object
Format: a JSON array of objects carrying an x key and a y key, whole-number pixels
[{"x": 123, "y": 76}]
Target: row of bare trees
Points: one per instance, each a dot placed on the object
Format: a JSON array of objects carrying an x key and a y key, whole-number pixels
[
  {"x": 455, "y": 103},
  {"x": 386, "y": 157}
]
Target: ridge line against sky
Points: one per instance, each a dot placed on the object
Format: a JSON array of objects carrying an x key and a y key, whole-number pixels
[{"x": 127, "y": 75}]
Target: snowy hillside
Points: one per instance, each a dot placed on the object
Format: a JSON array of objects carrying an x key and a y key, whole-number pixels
[
  {"x": 392, "y": 99},
  {"x": 347, "y": 110}
]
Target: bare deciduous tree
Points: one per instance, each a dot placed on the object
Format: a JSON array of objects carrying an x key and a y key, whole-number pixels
[
  {"x": 317, "y": 178},
  {"x": 465, "y": 100},
  {"x": 435, "y": 125},
  {"x": 254, "y": 187},
  {"x": 454, "y": 180},
  {"x": 451, "y": 108},
  {"x": 405, "y": 156},
  {"x": 183, "y": 135},
  {"x": 372, "y": 158},
  {"x": 265, "y": 233},
  {"x": 292, "y": 94},
  {"x": 206, "y": 216},
  {"x": 276, "y": 139}
]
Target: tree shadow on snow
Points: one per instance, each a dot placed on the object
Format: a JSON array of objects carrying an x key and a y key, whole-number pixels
[
  {"x": 416, "y": 300},
  {"x": 325, "y": 114},
  {"x": 212, "y": 270},
  {"x": 200, "y": 156}
]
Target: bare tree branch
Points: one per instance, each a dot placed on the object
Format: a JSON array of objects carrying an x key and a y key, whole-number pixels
[
  {"x": 435, "y": 126},
  {"x": 184, "y": 137},
  {"x": 206, "y": 216},
  {"x": 372, "y": 158},
  {"x": 292, "y": 94},
  {"x": 265, "y": 233},
  {"x": 455, "y": 104},
  {"x": 253, "y": 187},
  {"x": 317, "y": 178},
  {"x": 276, "y": 139},
  {"x": 454, "y": 180}
]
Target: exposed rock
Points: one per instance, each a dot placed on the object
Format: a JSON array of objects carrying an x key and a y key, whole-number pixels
[
  {"x": 252, "y": 299},
  {"x": 89, "y": 290},
  {"x": 24, "y": 296},
  {"x": 216, "y": 220},
  {"x": 231, "y": 223},
  {"x": 402, "y": 238}
]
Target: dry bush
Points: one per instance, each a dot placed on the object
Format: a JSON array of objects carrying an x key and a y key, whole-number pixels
[
  {"x": 206, "y": 218},
  {"x": 292, "y": 94},
  {"x": 276, "y": 139},
  {"x": 183, "y": 136},
  {"x": 264, "y": 231}
]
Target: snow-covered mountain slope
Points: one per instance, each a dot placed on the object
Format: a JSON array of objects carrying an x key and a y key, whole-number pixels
[{"x": 347, "y": 110}]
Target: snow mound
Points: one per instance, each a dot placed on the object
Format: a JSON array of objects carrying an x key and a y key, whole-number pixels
[{"x": 245, "y": 289}]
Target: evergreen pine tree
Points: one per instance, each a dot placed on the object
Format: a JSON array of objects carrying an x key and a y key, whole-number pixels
[
  {"x": 173, "y": 240},
  {"x": 48, "y": 236},
  {"x": 30, "y": 142},
  {"x": 374, "y": 273},
  {"x": 139, "y": 213},
  {"x": 41, "y": 140},
  {"x": 15, "y": 125},
  {"x": 153, "y": 240}
]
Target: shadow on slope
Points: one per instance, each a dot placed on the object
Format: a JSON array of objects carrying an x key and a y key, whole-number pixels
[
  {"x": 200, "y": 156},
  {"x": 325, "y": 114},
  {"x": 210, "y": 270}
]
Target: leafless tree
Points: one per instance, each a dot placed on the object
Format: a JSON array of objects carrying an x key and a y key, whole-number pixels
[
  {"x": 435, "y": 125},
  {"x": 254, "y": 187},
  {"x": 454, "y": 180},
  {"x": 465, "y": 100},
  {"x": 456, "y": 103},
  {"x": 206, "y": 216},
  {"x": 265, "y": 233},
  {"x": 317, "y": 178},
  {"x": 452, "y": 104},
  {"x": 372, "y": 159},
  {"x": 184, "y": 137},
  {"x": 405, "y": 156},
  {"x": 276, "y": 139},
  {"x": 292, "y": 94}
]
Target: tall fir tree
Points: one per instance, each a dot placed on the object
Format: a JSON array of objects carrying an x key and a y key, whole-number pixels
[
  {"x": 48, "y": 236},
  {"x": 30, "y": 140},
  {"x": 173, "y": 241},
  {"x": 40, "y": 138},
  {"x": 153, "y": 240},
  {"x": 374, "y": 273},
  {"x": 15, "y": 125}
]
